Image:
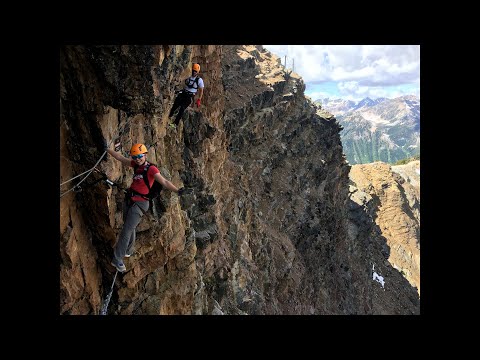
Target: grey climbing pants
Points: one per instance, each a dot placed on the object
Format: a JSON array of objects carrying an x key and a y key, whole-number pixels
[{"x": 131, "y": 218}]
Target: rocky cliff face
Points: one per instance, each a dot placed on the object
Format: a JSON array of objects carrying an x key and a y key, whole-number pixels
[
  {"x": 392, "y": 195},
  {"x": 267, "y": 228}
]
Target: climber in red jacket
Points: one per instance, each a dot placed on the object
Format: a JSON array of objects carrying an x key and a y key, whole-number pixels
[{"x": 136, "y": 203}]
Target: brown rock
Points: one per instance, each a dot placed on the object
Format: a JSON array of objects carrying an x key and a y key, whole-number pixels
[{"x": 400, "y": 227}]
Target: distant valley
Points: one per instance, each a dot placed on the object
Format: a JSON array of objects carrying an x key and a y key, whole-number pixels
[{"x": 383, "y": 129}]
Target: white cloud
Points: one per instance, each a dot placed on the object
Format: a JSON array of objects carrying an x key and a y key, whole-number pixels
[
  {"x": 369, "y": 65},
  {"x": 352, "y": 90},
  {"x": 320, "y": 95},
  {"x": 348, "y": 86}
]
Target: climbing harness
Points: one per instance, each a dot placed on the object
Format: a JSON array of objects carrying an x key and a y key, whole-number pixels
[
  {"x": 191, "y": 83},
  {"x": 128, "y": 192},
  {"x": 154, "y": 190}
]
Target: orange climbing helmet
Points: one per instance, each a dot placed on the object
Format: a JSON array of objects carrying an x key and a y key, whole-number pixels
[
  {"x": 138, "y": 149},
  {"x": 196, "y": 67}
]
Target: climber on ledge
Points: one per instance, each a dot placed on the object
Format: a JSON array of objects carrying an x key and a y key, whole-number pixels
[
  {"x": 185, "y": 96},
  {"x": 135, "y": 203}
]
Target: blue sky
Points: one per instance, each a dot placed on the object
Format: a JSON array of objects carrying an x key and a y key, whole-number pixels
[{"x": 354, "y": 72}]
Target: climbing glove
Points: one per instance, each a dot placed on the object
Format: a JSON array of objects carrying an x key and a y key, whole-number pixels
[
  {"x": 198, "y": 103},
  {"x": 183, "y": 191}
]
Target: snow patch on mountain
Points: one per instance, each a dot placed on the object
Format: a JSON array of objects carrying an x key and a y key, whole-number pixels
[{"x": 374, "y": 118}]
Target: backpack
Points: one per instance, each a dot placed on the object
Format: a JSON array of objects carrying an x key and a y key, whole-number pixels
[
  {"x": 191, "y": 84},
  {"x": 154, "y": 191}
]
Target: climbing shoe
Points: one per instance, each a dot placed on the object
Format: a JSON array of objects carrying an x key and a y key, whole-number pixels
[
  {"x": 120, "y": 267},
  {"x": 128, "y": 255}
]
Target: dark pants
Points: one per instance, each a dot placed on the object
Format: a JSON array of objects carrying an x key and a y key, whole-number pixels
[
  {"x": 131, "y": 218},
  {"x": 183, "y": 100}
]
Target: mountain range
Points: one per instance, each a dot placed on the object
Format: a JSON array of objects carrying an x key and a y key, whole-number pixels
[{"x": 383, "y": 129}]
